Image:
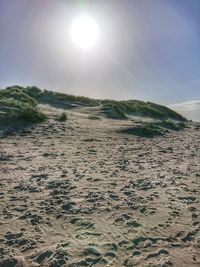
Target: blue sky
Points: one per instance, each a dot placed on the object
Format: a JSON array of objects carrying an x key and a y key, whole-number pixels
[{"x": 148, "y": 49}]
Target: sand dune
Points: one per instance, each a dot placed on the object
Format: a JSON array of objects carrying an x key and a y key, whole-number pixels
[{"x": 80, "y": 193}]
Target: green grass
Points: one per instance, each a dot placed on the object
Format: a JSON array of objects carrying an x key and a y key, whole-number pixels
[
  {"x": 62, "y": 117},
  {"x": 114, "y": 111},
  {"x": 17, "y": 94},
  {"x": 156, "y": 128},
  {"x": 141, "y": 108},
  {"x": 32, "y": 115},
  {"x": 172, "y": 125},
  {"x": 52, "y": 96},
  {"x": 16, "y": 104},
  {"x": 144, "y": 130}
]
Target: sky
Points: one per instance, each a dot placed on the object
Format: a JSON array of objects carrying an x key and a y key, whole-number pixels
[
  {"x": 147, "y": 49},
  {"x": 189, "y": 109}
]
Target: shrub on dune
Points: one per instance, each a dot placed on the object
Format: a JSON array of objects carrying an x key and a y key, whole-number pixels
[
  {"x": 62, "y": 117},
  {"x": 16, "y": 104},
  {"x": 30, "y": 114}
]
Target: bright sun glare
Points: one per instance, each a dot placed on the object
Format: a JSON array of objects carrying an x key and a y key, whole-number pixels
[{"x": 84, "y": 32}]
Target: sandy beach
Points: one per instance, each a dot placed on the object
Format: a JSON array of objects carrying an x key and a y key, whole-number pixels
[{"x": 81, "y": 193}]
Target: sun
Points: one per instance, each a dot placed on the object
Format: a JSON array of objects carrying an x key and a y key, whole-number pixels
[{"x": 84, "y": 32}]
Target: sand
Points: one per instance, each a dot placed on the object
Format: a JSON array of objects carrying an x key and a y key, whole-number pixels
[{"x": 80, "y": 193}]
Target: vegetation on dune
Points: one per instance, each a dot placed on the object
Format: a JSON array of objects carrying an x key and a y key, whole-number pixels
[
  {"x": 62, "y": 117},
  {"x": 120, "y": 109},
  {"x": 141, "y": 108},
  {"x": 30, "y": 114},
  {"x": 18, "y": 95},
  {"x": 144, "y": 130},
  {"x": 76, "y": 99},
  {"x": 16, "y": 104},
  {"x": 114, "y": 111},
  {"x": 171, "y": 125},
  {"x": 155, "y": 128},
  {"x": 20, "y": 103},
  {"x": 51, "y": 97}
]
